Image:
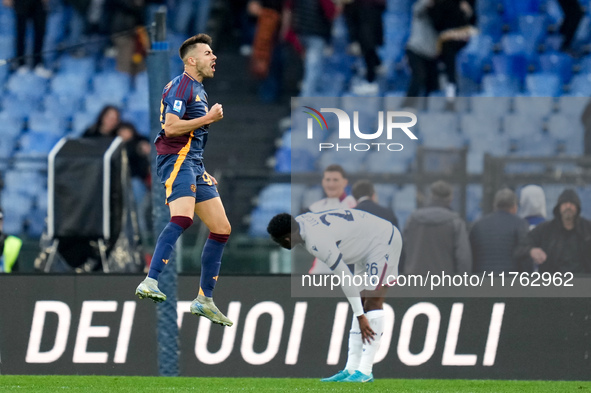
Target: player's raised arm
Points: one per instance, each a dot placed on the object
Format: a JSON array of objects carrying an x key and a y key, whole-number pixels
[{"x": 175, "y": 126}]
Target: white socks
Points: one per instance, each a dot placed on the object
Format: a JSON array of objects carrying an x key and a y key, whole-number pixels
[
  {"x": 355, "y": 347},
  {"x": 376, "y": 321}
]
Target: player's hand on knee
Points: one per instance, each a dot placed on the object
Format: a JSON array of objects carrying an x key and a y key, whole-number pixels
[
  {"x": 216, "y": 112},
  {"x": 367, "y": 333}
]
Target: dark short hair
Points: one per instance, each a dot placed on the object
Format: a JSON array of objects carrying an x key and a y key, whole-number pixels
[
  {"x": 505, "y": 199},
  {"x": 363, "y": 188},
  {"x": 441, "y": 191},
  {"x": 281, "y": 225},
  {"x": 336, "y": 168},
  {"x": 191, "y": 42}
]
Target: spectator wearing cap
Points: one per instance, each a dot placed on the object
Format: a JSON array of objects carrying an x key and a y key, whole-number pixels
[
  {"x": 435, "y": 237},
  {"x": 10, "y": 247},
  {"x": 562, "y": 244},
  {"x": 496, "y": 238}
]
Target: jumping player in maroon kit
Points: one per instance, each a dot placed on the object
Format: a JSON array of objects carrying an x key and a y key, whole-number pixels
[{"x": 185, "y": 118}]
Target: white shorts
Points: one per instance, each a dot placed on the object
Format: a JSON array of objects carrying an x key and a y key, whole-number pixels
[{"x": 381, "y": 267}]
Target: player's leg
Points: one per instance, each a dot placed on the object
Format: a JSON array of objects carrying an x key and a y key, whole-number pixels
[
  {"x": 179, "y": 181},
  {"x": 386, "y": 267},
  {"x": 211, "y": 211},
  {"x": 181, "y": 212},
  {"x": 213, "y": 215}
]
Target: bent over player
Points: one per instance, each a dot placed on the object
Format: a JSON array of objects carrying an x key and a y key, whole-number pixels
[
  {"x": 348, "y": 236},
  {"x": 185, "y": 119}
]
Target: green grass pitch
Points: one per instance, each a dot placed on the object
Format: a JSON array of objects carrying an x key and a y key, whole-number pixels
[{"x": 40, "y": 383}]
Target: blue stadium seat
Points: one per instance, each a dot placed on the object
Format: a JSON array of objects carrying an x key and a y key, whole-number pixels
[
  {"x": 47, "y": 122},
  {"x": 474, "y": 125},
  {"x": 15, "y": 207},
  {"x": 27, "y": 85},
  {"x": 275, "y": 197},
  {"x": 82, "y": 66},
  {"x": 563, "y": 126},
  {"x": 283, "y": 160},
  {"x": 543, "y": 84},
  {"x": 72, "y": 84},
  {"x": 536, "y": 106},
  {"x": 438, "y": 123},
  {"x": 516, "y": 44},
  {"x": 81, "y": 121},
  {"x": 115, "y": 85},
  {"x": 10, "y": 125},
  {"x": 491, "y": 25},
  {"x": 557, "y": 63},
  {"x": 62, "y": 105},
  {"x": 386, "y": 162},
  {"x": 140, "y": 118},
  {"x": 512, "y": 66},
  {"x": 259, "y": 219},
  {"x": 517, "y": 125},
  {"x": 488, "y": 105},
  {"x": 535, "y": 146},
  {"x": 138, "y": 100},
  {"x": 514, "y": 9},
  {"x": 581, "y": 85},
  {"x": 302, "y": 161},
  {"x": 311, "y": 195},
  {"x": 352, "y": 162},
  {"x": 488, "y": 7},
  {"x": 17, "y": 106},
  {"x": 500, "y": 85},
  {"x": 572, "y": 106},
  {"x": 94, "y": 103},
  {"x": 533, "y": 28},
  {"x": 385, "y": 193},
  {"x": 36, "y": 144}
]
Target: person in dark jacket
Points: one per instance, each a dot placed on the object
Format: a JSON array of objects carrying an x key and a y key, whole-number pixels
[
  {"x": 564, "y": 243},
  {"x": 365, "y": 194},
  {"x": 496, "y": 237},
  {"x": 435, "y": 237}
]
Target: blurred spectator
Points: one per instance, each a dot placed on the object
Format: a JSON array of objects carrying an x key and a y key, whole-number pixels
[
  {"x": 312, "y": 23},
  {"x": 190, "y": 16},
  {"x": 10, "y": 247},
  {"x": 367, "y": 200},
  {"x": 421, "y": 52},
  {"x": 138, "y": 154},
  {"x": 364, "y": 21},
  {"x": 496, "y": 238},
  {"x": 453, "y": 20},
  {"x": 564, "y": 243},
  {"x": 334, "y": 182},
  {"x": 266, "y": 62},
  {"x": 573, "y": 13},
  {"x": 106, "y": 123},
  {"x": 532, "y": 205},
  {"x": 36, "y": 12},
  {"x": 127, "y": 17},
  {"x": 435, "y": 237}
]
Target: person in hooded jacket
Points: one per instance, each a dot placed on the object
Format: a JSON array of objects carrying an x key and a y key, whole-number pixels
[
  {"x": 532, "y": 205},
  {"x": 562, "y": 244},
  {"x": 435, "y": 237}
]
